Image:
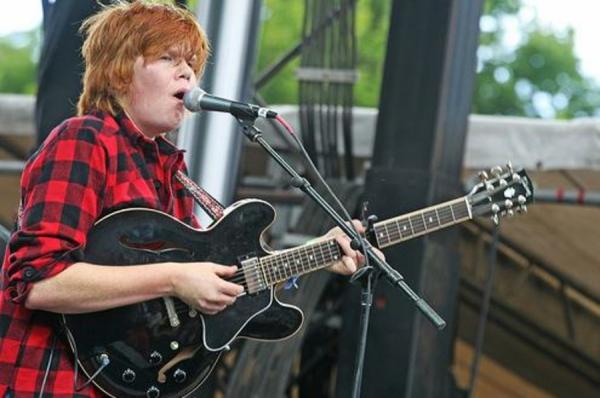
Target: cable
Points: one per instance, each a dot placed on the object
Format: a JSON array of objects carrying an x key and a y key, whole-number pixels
[
  {"x": 484, "y": 312},
  {"x": 320, "y": 178},
  {"x": 54, "y": 338}
]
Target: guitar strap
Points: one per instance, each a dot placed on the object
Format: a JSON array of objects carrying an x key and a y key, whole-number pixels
[{"x": 209, "y": 204}]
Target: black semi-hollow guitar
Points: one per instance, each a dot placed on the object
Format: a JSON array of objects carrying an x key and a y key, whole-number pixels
[{"x": 164, "y": 348}]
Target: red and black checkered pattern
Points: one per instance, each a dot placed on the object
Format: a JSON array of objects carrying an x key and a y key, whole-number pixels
[{"x": 88, "y": 167}]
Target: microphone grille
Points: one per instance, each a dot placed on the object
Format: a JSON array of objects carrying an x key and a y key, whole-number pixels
[{"x": 191, "y": 99}]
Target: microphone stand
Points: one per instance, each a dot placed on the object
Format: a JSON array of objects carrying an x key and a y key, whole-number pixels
[{"x": 365, "y": 274}]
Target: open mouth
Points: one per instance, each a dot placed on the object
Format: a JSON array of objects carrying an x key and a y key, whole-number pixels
[{"x": 179, "y": 95}]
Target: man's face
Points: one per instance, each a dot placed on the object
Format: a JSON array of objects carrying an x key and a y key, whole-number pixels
[{"x": 155, "y": 98}]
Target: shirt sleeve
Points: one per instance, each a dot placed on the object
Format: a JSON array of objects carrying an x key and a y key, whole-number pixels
[{"x": 61, "y": 197}]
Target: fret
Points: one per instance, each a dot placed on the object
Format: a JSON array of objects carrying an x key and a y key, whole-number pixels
[
  {"x": 285, "y": 263},
  {"x": 397, "y": 233},
  {"x": 273, "y": 270},
  {"x": 437, "y": 215},
  {"x": 264, "y": 270},
  {"x": 445, "y": 215},
  {"x": 405, "y": 227},
  {"x": 468, "y": 207},
  {"x": 418, "y": 223},
  {"x": 280, "y": 269},
  {"x": 387, "y": 233},
  {"x": 267, "y": 270},
  {"x": 412, "y": 229},
  {"x": 460, "y": 210},
  {"x": 298, "y": 260},
  {"x": 336, "y": 251},
  {"x": 431, "y": 220},
  {"x": 421, "y": 222},
  {"x": 385, "y": 238},
  {"x": 318, "y": 258},
  {"x": 277, "y": 269},
  {"x": 311, "y": 259},
  {"x": 392, "y": 232}
]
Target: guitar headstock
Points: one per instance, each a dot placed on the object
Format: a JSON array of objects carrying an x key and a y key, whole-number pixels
[{"x": 501, "y": 192}]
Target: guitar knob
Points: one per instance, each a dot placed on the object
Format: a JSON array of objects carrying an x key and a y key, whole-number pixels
[
  {"x": 128, "y": 376},
  {"x": 155, "y": 358},
  {"x": 153, "y": 392},
  {"x": 179, "y": 376}
]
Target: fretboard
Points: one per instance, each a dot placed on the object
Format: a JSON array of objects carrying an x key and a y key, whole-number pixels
[
  {"x": 283, "y": 265},
  {"x": 421, "y": 222}
]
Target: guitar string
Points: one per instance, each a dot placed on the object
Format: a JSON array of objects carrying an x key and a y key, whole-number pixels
[
  {"x": 272, "y": 265},
  {"x": 301, "y": 255},
  {"x": 276, "y": 266},
  {"x": 324, "y": 259}
]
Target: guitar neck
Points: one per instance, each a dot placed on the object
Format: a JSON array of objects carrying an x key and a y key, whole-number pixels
[
  {"x": 301, "y": 260},
  {"x": 421, "y": 222},
  {"x": 280, "y": 267}
]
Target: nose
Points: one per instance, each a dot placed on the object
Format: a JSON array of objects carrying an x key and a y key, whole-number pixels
[{"x": 185, "y": 71}]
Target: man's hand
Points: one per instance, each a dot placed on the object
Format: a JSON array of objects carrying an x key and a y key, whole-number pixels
[
  {"x": 203, "y": 286},
  {"x": 352, "y": 259}
]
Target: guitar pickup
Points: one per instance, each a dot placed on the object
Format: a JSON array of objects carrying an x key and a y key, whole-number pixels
[{"x": 253, "y": 275}]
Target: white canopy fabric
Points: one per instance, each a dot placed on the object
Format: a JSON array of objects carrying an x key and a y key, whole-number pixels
[
  {"x": 533, "y": 143},
  {"x": 491, "y": 140},
  {"x": 494, "y": 140}
]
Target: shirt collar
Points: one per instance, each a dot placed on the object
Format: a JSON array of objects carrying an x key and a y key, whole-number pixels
[{"x": 129, "y": 129}]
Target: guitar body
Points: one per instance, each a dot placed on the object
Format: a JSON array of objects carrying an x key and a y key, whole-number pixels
[{"x": 149, "y": 355}]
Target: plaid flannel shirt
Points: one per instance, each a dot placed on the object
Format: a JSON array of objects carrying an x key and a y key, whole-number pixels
[{"x": 88, "y": 167}]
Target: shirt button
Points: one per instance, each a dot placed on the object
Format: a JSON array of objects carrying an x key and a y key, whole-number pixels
[{"x": 28, "y": 273}]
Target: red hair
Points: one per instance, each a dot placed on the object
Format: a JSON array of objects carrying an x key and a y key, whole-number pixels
[{"x": 119, "y": 34}]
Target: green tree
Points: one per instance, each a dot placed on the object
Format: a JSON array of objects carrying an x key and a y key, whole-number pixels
[
  {"x": 18, "y": 62},
  {"x": 282, "y": 29},
  {"x": 539, "y": 78}
]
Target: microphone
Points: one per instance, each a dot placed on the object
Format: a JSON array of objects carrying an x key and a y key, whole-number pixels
[{"x": 197, "y": 99}]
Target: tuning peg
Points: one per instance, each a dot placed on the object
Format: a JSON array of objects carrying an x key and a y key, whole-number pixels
[
  {"x": 495, "y": 208},
  {"x": 495, "y": 219},
  {"x": 496, "y": 171},
  {"x": 482, "y": 175},
  {"x": 521, "y": 199},
  {"x": 523, "y": 208},
  {"x": 516, "y": 177},
  {"x": 510, "y": 212},
  {"x": 503, "y": 182},
  {"x": 510, "y": 167},
  {"x": 489, "y": 187},
  {"x": 508, "y": 203}
]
